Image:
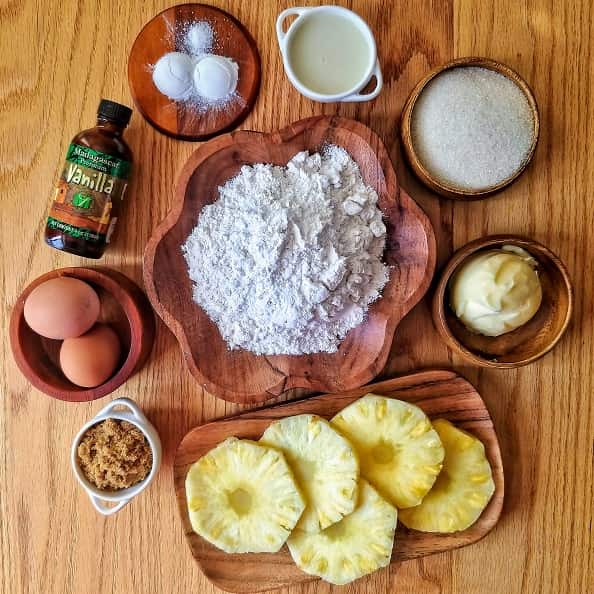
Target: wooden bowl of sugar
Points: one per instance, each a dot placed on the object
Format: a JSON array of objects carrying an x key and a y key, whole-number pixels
[{"x": 470, "y": 128}]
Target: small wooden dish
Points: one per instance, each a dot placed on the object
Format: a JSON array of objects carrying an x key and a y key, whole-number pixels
[
  {"x": 409, "y": 150},
  {"x": 241, "y": 376},
  {"x": 525, "y": 344},
  {"x": 123, "y": 306},
  {"x": 440, "y": 393},
  {"x": 180, "y": 119}
]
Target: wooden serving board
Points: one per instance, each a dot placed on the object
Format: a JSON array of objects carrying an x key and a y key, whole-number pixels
[
  {"x": 160, "y": 36},
  {"x": 440, "y": 393},
  {"x": 241, "y": 376}
]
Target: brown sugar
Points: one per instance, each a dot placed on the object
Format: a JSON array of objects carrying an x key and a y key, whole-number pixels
[{"x": 114, "y": 455}]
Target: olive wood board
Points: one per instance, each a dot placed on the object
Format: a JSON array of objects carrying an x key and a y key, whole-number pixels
[
  {"x": 440, "y": 393},
  {"x": 184, "y": 119},
  {"x": 241, "y": 376}
]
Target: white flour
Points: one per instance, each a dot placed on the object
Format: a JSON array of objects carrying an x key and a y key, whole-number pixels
[{"x": 288, "y": 259}]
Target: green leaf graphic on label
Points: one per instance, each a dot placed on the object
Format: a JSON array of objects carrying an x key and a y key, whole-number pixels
[{"x": 82, "y": 200}]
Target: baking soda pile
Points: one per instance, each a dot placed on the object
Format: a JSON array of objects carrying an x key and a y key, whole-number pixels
[
  {"x": 288, "y": 259},
  {"x": 472, "y": 127},
  {"x": 197, "y": 76}
]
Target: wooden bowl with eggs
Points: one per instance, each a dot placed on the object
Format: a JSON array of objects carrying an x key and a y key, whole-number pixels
[
  {"x": 526, "y": 343},
  {"x": 123, "y": 307}
]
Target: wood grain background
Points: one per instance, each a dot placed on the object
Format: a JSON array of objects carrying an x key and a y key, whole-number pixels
[{"x": 59, "y": 57}]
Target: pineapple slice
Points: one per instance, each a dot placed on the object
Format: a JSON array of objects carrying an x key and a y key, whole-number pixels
[
  {"x": 324, "y": 463},
  {"x": 399, "y": 451},
  {"x": 357, "y": 545},
  {"x": 242, "y": 497},
  {"x": 462, "y": 490}
]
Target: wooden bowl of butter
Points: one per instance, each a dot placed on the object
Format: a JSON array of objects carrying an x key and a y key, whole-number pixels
[{"x": 503, "y": 301}]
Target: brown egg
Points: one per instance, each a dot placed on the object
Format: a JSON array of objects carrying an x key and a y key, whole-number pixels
[
  {"x": 62, "y": 308},
  {"x": 90, "y": 360}
]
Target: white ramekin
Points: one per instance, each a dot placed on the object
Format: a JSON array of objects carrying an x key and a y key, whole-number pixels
[
  {"x": 135, "y": 416},
  {"x": 373, "y": 68}
]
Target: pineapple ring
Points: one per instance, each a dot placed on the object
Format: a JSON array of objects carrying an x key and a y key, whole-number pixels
[
  {"x": 242, "y": 497},
  {"x": 325, "y": 466},
  {"x": 356, "y": 546},
  {"x": 462, "y": 490},
  {"x": 399, "y": 451}
]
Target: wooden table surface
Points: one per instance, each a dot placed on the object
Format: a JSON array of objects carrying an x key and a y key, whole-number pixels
[{"x": 59, "y": 57}]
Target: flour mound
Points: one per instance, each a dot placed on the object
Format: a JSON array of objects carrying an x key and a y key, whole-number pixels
[{"x": 288, "y": 259}]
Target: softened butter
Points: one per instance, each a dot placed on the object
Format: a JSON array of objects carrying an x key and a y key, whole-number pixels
[{"x": 496, "y": 291}]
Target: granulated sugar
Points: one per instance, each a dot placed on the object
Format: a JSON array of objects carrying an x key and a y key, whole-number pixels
[
  {"x": 472, "y": 127},
  {"x": 288, "y": 259}
]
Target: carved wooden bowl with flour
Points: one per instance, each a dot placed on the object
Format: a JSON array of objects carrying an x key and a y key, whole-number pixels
[{"x": 242, "y": 376}]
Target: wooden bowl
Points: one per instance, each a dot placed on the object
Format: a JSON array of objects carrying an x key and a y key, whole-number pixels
[
  {"x": 123, "y": 306},
  {"x": 439, "y": 393},
  {"x": 179, "y": 119},
  {"x": 422, "y": 173},
  {"x": 528, "y": 342},
  {"x": 241, "y": 376}
]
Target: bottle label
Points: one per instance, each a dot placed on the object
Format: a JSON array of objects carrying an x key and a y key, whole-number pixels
[{"x": 89, "y": 185}]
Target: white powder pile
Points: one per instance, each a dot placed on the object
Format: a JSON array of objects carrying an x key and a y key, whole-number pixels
[
  {"x": 172, "y": 75},
  {"x": 288, "y": 259},
  {"x": 472, "y": 127},
  {"x": 199, "y": 38},
  {"x": 197, "y": 76}
]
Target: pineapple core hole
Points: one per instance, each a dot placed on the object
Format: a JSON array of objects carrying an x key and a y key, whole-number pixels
[
  {"x": 241, "y": 501},
  {"x": 383, "y": 453},
  {"x": 306, "y": 471}
]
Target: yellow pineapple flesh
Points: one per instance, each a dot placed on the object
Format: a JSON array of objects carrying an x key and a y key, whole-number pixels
[
  {"x": 356, "y": 546},
  {"x": 400, "y": 453},
  {"x": 325, "y": 466},
  {"x": 243, "y": 498},
  {"x": 462, "y": 490}
]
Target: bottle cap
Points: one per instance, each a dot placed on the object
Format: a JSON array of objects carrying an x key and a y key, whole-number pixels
[{"x": 116, "y": 112}]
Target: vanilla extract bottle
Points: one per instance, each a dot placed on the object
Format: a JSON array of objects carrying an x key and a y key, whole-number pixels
[{"x": 88, "y": 194}]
